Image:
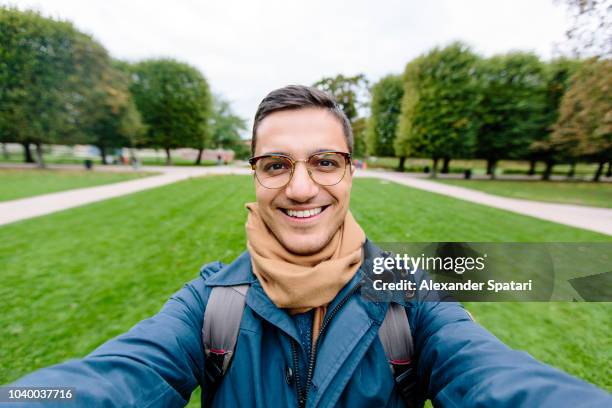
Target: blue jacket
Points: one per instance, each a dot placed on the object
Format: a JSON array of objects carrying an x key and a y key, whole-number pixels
[{"x": 160, "y": 361}]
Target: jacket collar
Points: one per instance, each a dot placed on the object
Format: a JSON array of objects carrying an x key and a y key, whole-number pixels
[{"x": 239, "y": 272}]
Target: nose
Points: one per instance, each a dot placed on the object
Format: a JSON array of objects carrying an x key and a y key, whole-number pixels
[{"x": 301, "y": 188}]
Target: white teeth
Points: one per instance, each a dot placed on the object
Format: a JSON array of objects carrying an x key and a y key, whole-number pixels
[{"x": 305, "y": 213}]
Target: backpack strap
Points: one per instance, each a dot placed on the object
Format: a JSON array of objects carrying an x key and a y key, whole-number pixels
[
  {"x": 220, "y": 331},
  {"x": 396, "y": 339},
  {"x": 222, "y": 319}
]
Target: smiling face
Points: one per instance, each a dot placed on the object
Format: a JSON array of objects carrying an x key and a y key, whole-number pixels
[{"x": 303, "y": 215}]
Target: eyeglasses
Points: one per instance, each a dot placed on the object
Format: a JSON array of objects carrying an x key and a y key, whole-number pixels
[{"x": 276, "y": 170}]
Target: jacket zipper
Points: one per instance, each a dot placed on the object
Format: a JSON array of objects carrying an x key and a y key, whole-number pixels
[
  {"x": 302, "y": 393},
  {"x": 296, "y": 375}
]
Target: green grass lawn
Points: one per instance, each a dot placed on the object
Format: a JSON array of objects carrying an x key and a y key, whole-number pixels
[
  {"x": 73, "y": 279},
  {"x": 567, "y": 192},
  {"x": 70, "y": 159},
  {"x": 30, "y": 182},
  {"x": 479, "y": 166}
]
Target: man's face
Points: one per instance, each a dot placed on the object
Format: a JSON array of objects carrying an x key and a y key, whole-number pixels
[{"x": 299, "y": 134}]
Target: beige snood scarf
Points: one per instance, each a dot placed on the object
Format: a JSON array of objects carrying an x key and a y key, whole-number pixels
[{"x": 300, "y": 283}]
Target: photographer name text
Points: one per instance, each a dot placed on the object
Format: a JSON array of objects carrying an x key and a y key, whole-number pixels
[{"x": 428, "y": 284}]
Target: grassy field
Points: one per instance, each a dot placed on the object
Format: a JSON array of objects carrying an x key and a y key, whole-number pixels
[
  {"x": 30, "y": 182},
  {"x": 73, "y": 279},
  {"x": 479, "y": 166},
  {"x": 581, "y": 193},
  {"x": 70, "y": 159}
]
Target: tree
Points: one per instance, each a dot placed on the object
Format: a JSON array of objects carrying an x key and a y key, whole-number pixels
[
  {"x": 385, "y": 109},
  {"x": 439, "y": 116},
  {"x": 407, "y": 142},
  {"x": 41, "y": 79},
  {"x": 558, "y": 74},
  {"x": 175, "y": 103},
  {"x": 352, "y": 94},
  {"x": 111, "y": 119},
  {"x": 359, "y": 137},
  {"x": 511, "y": 111},
  {"x": 226, "y": 128},
  {"x": 584, "y": 126}
]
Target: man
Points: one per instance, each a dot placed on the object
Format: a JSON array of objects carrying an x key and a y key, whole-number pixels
[{"x": 307, "y": 337}]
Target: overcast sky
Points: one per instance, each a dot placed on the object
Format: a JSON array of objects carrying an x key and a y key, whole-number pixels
[{"x": 247, "y": 48}]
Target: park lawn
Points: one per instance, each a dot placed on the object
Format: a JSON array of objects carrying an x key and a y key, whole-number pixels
[
  {"x": 70, "y": 159},
  {"x": 566, "y": 192},
  {"x": 21, "y": 183},
  {"x": 74, "y": 279},
  {"x": 478, "y": 166}
]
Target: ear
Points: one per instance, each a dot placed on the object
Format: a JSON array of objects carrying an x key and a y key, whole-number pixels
[{"x": 353, "y": 168}]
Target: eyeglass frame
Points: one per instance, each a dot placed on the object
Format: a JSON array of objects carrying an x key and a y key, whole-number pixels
[{"x": 253, "y": 162}]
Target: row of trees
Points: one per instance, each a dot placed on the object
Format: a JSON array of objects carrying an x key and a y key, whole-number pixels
[
  {"x": 60, "y": 86},
  {"x": 452, "y": 103}
]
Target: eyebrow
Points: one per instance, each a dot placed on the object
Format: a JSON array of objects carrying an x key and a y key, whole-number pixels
[
  {"x": 274, "y": 153},
  {"x": 309, "y": 154}
]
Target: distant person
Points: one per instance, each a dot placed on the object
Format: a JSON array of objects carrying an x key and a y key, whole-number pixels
[
  {"x": 219, "y": 160},
  {"x": 135, "y": 162},
  {"x": 288, "y": 314}
]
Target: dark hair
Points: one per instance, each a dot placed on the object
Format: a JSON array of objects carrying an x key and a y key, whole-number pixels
[{"x": 298, "y": 97}]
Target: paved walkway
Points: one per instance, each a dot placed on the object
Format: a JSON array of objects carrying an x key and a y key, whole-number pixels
[
  {"x": 16, "y": 210},
  {"x": 590, "y": 218},
  {"x": 517, "y": 177}
]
